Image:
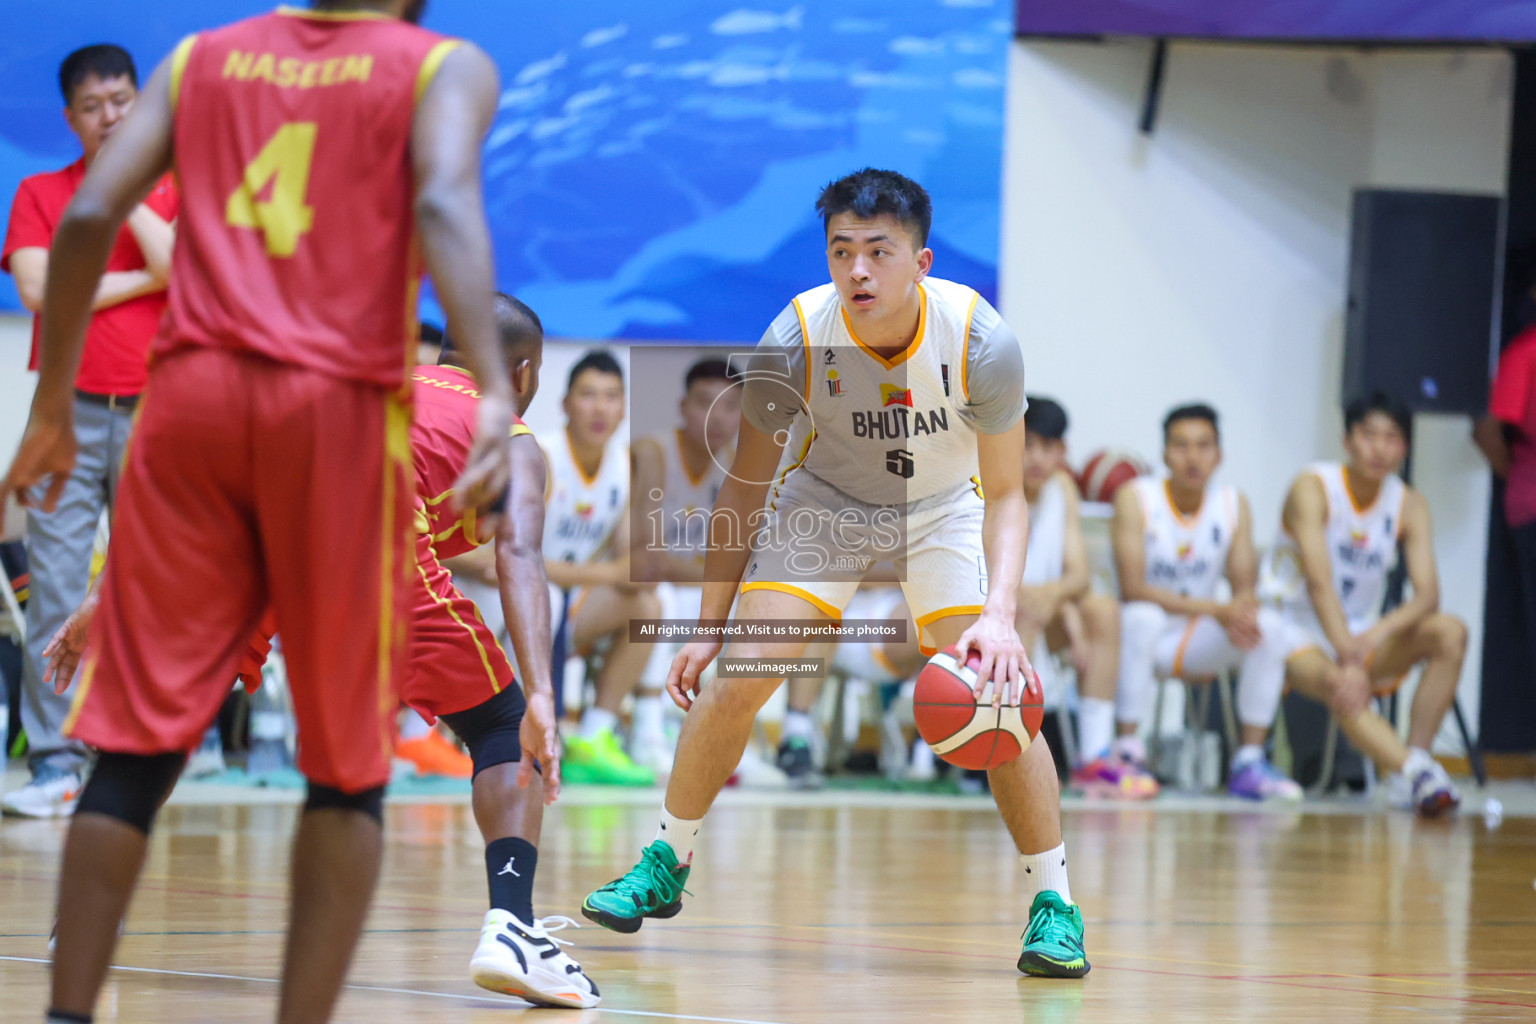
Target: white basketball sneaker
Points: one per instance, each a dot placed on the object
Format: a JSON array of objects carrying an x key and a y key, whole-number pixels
[
  {"x": 524, "y": 960},
  {"x": 52, "y": 793}
]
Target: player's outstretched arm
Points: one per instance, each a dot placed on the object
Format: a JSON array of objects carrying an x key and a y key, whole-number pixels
[
  {"x": 1419, "y": 558},
  {"x": 731, "y": 523},
  {"x": 128, "y": 166},
  {"x": 1243, "y": 574},
  {"x": 449, "y": 129},
  {"x": 1005, "y": 539},
  {"x": 1306, "y": 519},
  {"x": 525, "y": 604}
]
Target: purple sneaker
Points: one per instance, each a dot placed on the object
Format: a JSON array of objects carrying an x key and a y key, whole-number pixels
[{"x": 1260, "y": 780}]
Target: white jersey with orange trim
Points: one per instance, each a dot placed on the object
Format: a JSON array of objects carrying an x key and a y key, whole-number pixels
[
  {"x": 582, "y": 512},
  {"x": 1362, "y": 549},
  {"x": 886, "y": 431},
  {"x": 686, "y": 500},
  {"x": 1045, "y": 559},
  {"x": 1187, "y": 555}
]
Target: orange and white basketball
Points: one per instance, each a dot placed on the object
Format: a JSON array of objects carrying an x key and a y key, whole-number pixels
[
  {"x": 1107, "y": 471},
  {"x": 964, "y": 730}
]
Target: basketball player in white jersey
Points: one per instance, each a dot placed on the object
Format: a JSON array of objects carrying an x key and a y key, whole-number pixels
[
  {"x": 586, "y": 553},
  {"x": 901, "y": 398},
  {"x": 1174, "y": 540},
  {"x": 1057, "y": 611},
  {"x": 677, "y": 476},
  {"x": 1342, "y": 525}
]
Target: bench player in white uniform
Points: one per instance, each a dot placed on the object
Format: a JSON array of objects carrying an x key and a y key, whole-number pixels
[
  {"x": 677, "y": 477},
  {"x": 586, "y": 553},
  {"x": 1342, "y": 525},
  {"x": 1057, "y": 610},
  {"x": 901, "y": 398},
  {"x": 1174, "y": 540}
]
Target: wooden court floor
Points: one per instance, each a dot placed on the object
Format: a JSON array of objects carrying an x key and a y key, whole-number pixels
[{"x": 806, "y": 914}]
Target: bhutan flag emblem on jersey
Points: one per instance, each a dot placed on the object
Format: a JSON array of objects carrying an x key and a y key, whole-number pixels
[
  {"x": 890, "y": 394},
  {"x": 584, "y": 509}
]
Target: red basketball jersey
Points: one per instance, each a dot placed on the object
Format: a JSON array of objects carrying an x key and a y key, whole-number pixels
[
  {"x": 440, "y": 440},
  {"x": 297, "y": 235}
]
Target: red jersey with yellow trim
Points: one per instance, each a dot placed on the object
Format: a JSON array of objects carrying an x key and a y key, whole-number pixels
[
  {"x": 440, "y": 441},
  {"x": 296, "y": 238}
]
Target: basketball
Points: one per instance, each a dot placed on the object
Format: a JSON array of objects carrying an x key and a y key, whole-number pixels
[
  {"x": 1106, "y": 471},
  {"x": 965, "y": 731}
]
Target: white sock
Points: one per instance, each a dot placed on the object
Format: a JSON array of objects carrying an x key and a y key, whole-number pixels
[
  {"x": 1095, "y": 727},
  {"x": 679, "y": 833},
  {"x": 647, "y": 719},
  {"x": 798, "y": 723},
  {"x": 1131, "y": 748},
  {"x": 1246, "y": 754},
  {"x": 1044, "y": 871},
  {"x": 413, "y": 726},
  {"x": 595, "y": 721}
]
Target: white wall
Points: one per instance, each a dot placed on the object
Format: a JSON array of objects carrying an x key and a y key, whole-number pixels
[{"x": 1210, "y": 261}]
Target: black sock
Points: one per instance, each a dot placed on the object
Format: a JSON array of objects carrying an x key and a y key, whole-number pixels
[
  {"x": 509, "y": 867},
  {"x": 60, "y": 1017}
]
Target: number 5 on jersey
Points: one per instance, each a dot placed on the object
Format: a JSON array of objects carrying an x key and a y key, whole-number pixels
[{"x": 283, "y": 163}]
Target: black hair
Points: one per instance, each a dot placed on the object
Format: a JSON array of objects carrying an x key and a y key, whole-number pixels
[
  {"x": 1361, "y": 406},
  {"x": 429, "y": 334},
  {"x": 870, "y": 193},
  {"x": 518, "y": 327},
  {"x": 599, "y": 359},
  {"x": 1045, "y": 417},
  {"x": 104, "y": 60},
  {"x": 1193, "y": 411},
  {"x": 708, "y": 369}
]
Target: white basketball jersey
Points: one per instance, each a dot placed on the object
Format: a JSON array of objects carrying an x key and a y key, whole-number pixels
[
  {"x": 1043, "y": 562},
  {"x": 1362, "y": 549},
  {"x": 583, "y": 512},
  {"x": 1187, "y": 555},
  {"x": 887, "y": 431},
  {"x": 686, "y": 500}
]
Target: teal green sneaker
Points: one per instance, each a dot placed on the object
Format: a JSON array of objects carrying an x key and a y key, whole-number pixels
[
  {"x": 653, "y": 888},
  {"x": 1053, "y": 942}
]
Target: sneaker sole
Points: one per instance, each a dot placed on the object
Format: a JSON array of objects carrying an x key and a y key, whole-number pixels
[
  {"x": 1037, "y": 966},
  {"x": 493, "y": 980},
  {"x": 628, "y": 925},
  {"x": 52, "y": 812}
]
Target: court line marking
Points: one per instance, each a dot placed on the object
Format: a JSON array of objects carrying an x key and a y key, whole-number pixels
[{"x": 400, "y": 991}]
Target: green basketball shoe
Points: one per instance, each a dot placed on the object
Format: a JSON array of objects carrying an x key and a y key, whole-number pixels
[
  {"x": 653, "y": 888},
  {"x": 1053, "y": 942}
]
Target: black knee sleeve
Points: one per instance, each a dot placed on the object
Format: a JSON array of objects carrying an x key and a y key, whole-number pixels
[
  {"x": 131, "y": 787},
  {"x": 369, "y": 801},
  {"x": 490, "y": 730}
]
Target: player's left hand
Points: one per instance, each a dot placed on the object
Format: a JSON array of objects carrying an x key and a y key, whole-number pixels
[
  {"x": 541, "y": 742},
  {"x": 64, "y": 651},
  {"x": 47, "y": 452},
  {"x": 483, "y": 486},
  {"x": 1004, "y": 665}
]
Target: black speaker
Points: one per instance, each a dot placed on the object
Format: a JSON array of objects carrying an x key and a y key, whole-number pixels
[{"x": 1423, "y": 292}]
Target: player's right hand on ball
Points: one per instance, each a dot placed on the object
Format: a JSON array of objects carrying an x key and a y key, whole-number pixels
[
  {"x": 488, "y": 469},
  {"x": 541, "y": 742},
  {"x": 687, "y": 667},
  {"x": 68, "y": 644}
]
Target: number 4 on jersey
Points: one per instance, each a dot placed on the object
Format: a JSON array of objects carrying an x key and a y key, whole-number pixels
[{"x": 284, "y": 164}]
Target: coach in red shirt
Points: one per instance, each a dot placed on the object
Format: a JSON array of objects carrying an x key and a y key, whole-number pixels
[{"x": 99, "y": 85}]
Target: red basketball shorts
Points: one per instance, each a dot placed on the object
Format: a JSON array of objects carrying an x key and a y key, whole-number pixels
[
  {"x": 252, "y": 484},
  {"x": 455, "y": 660}
]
